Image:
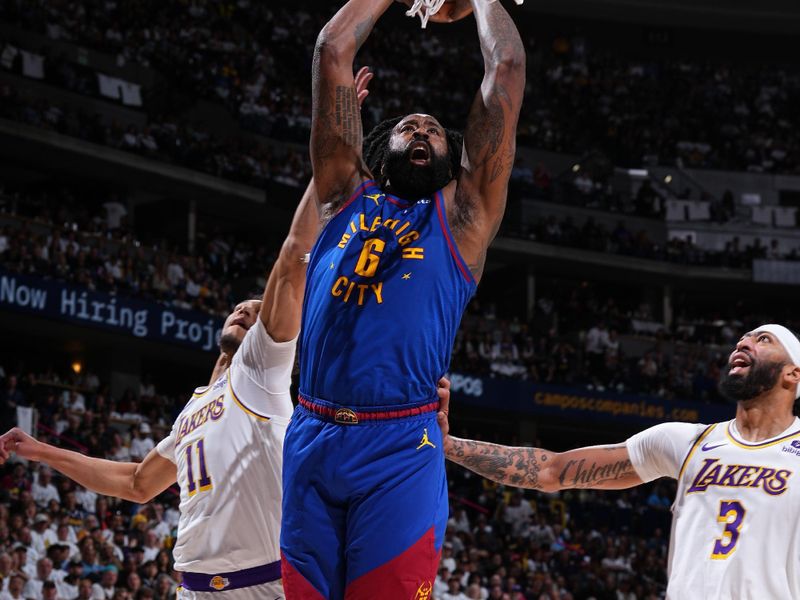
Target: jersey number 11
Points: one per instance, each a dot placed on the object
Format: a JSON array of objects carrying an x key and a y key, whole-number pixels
[{"x": 205, "y": 479}]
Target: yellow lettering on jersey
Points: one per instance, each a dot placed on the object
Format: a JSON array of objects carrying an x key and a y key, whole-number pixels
[
  {"x": 361, "y": 223},
  {"x": 377, "y": 288},
  {"x": 344, "y": 288},
  {"x": 405, "y": 226},
  {"x": 411, "y": 236},
  {"x": 361, "y": 289},
  {"x": 418, "y": 253},
  {"x": 336, "y": 290},
  {"x": 349, "y": 291},
  {"x": 391, "y": 223},
  {"x": 376, "y": 222},
  {"x": 353, "y": 227},
  {"x": 345, "y": 237},
  {"x": 369, "y": 258}
]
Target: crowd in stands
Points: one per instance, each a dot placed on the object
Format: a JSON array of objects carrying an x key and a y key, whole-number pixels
[
  {"x": 169, "y": 139},
  {"x": 503, "y": 544},
  {"x": 255, "y": 58},
  {"x": 59, "y": 541},
  {"x": 55, "y": 234},
  {"x": 62, "y": 236},
  {"x": 597, "y": 237},
  {"x": 583, "y": 336}
]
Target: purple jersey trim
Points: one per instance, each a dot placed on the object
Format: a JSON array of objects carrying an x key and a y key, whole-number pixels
[{"x": 222, "y": 582}]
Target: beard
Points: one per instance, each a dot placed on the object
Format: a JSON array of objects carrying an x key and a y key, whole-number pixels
[
  {"x": 761, "y": 378},
  {"x": 229, "y": 343},
  {"x": 413, "y": 182}
]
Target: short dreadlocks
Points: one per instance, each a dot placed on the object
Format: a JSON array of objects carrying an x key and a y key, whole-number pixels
[{"x": 376, "y": 146}]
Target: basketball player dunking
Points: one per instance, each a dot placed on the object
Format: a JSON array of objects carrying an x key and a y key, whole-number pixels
[
  {"x": 736, "y": 517},
  {"x": 410, "y": 216},
  {"x": 225, "y": 448}
]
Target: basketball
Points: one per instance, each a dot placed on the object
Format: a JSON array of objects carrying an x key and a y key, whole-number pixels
[{"x": 450, "y": 10}]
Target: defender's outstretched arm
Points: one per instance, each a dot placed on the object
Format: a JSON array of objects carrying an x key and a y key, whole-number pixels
[
  {"x": 594, "y": 467},
  {"x": 136, "y": 482},
  {"x": 282, "y": 303}
]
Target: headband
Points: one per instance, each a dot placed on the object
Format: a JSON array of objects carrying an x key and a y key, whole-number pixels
[{"x": 788, "y": 340}]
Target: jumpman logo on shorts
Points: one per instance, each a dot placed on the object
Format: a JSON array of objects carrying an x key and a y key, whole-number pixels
[{"x": 425, "y": 441}]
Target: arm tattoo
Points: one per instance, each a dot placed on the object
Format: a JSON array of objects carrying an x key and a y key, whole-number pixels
[
  {"x": 482, "y": 140},
  {"x": 578, "y": 474},
  {"x": 348, "y": 115},
  {"x": 511, "y": 466},
  {"x": 324, "y": 140},
  {"x": 525, "y": 467}
]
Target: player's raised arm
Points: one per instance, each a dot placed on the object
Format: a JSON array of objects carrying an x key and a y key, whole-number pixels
[
  {"x": 282, "y": 303},
  {"x": 595, "y": 467},
  {"x": 336, "y": 130},
  {"x": 283, "y": 295},
  {"x": 136, "y": 482},
  {"x": 490, "y": 135}
]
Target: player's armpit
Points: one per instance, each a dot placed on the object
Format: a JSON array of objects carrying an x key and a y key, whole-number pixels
[
  {"x": 595, "y": 467},
  {"x": 489, "y": 136}
]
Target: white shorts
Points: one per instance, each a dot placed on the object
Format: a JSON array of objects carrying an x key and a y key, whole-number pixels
[{"x": 265, "y": 591}]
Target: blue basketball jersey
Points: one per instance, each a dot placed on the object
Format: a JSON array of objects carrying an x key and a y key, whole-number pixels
[{"x": 386, "y": 288}]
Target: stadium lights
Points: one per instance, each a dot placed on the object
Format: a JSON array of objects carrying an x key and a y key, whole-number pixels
[
  {"x": 576, "y": 167},
  {"x": 668, "y": 179},
  {"x": 77, "y": 367}
]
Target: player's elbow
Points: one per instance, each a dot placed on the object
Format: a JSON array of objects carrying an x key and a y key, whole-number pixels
[
  {"x": 138, "y": 491},
  {"x": 549, "y": 481},
  {"x": 139, "y": 495},
  {"x": 332, "y": 49},
  {"x": 295, "y": 248},
  {"x": 509, "y": 62}
]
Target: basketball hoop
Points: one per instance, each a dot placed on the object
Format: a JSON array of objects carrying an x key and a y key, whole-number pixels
[{"x": 440, "y": 11}]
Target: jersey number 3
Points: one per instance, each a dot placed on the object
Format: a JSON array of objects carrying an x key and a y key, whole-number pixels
[
  {"x": 731, "y": 512},
  {"x": 204, "y": 483}
]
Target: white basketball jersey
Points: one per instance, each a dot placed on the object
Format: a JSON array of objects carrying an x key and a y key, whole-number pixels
[
  {"x": 736, "y": 516},
  {"x": 227, "y": 444}
]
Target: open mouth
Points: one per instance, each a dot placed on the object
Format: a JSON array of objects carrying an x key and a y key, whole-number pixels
[
  {"x": 241, "y": 322},
  {"x": 420, "y": 153},
  {"x": 740, "y": 361}
]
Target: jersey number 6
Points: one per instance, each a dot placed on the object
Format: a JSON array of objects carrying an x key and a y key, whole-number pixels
[{"x": 370, "y": 257}]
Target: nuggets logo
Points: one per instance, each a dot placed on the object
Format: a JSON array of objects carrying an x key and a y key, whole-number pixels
[
  {"x": 345, "y": 416},
  {"x": 219, "y": 583},
  {"x": 424, "y": 591}
]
